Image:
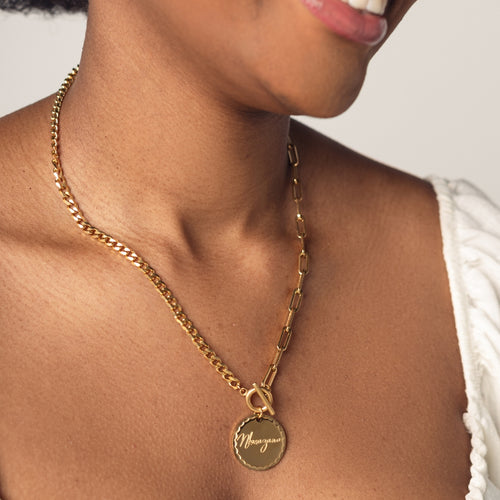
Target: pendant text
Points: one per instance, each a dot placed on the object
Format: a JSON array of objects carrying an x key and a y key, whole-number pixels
[{"x": 246, "y": 440}]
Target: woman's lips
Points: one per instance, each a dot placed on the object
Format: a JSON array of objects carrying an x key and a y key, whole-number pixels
[{"x": 348, "y": 22}]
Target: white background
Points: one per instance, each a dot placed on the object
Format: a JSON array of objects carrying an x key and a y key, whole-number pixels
[{"x": 431, "y": 102}]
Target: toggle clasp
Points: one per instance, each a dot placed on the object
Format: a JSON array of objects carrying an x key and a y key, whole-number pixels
[{"x": 266, "y": 397}]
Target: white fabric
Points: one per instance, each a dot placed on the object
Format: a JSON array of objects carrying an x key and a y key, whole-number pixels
[{"x": 470, "y": 225}]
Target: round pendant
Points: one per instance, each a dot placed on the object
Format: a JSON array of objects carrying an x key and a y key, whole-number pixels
[{"x": 259, "y": 442}]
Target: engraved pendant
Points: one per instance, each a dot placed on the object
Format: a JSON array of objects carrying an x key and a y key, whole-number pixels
[{"x": 259, "y": 442}]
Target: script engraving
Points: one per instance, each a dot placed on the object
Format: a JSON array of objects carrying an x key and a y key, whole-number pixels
[
  {"x": 246, "y": 440},
  {"x": 259, "y": 443}
]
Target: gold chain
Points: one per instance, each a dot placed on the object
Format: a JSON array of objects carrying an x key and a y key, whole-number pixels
[{"x": 177, "y": 310}]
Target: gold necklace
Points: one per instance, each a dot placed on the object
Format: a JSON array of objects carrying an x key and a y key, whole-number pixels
[{"x": 259, "y": 441}]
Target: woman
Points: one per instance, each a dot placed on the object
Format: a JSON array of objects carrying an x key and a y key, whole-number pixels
[{"x": 175, "y": 139}]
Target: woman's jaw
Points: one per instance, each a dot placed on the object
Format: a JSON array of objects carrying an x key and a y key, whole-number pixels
[
  {"x": 278, "y": 56},
  {"x": 326, "y": 53},
  {"x": 331, "y": 43}
]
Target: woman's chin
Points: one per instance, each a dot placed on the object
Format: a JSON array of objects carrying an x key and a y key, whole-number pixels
[
  {"x": 323, "y": 105},
  {"x": 320, "y": 99}
]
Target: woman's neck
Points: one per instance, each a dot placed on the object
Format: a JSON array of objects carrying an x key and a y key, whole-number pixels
[{"x": 163, "y": 140}]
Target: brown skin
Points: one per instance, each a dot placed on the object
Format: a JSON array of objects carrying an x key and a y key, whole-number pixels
[{"x": 102, "y": 395}]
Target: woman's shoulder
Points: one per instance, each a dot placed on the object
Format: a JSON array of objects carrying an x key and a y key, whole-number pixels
[
  {"x": 20, "y": 128},
  {"x": 426, "y": 219},
  {"x": 359, "y": 174},
  {"x": 29, "y": 226},
  {"x": 366, "y": 193},
  {"x": 24, "y": 167},
  {"x": 24, "y": 133}
]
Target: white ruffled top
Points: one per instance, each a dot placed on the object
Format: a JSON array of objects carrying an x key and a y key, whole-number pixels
[{"x": 470, "y": 225}]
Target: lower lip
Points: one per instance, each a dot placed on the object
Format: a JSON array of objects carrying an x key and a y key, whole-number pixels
[{"x": 343, "y": 20}]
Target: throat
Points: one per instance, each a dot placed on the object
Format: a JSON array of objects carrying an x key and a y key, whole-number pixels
[{"x": 229, "y": 170}]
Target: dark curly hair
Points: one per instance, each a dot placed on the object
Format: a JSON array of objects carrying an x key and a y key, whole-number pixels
[{"x": 44, "y": 5}]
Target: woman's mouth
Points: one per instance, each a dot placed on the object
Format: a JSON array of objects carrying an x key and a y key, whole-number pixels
[{"x": 361, "y": 21}]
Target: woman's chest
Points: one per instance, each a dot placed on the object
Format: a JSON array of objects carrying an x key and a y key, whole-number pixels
[
  {"x": 147, "y": 444},
  {"x": 140, "y": 417},
  {"x": 103, "y": 395}
]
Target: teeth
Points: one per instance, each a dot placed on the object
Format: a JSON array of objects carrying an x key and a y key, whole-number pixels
[
  {"x": 357, "y": 4},
  {"x": 376, "y": 6},
  {"x": 372, "y": 6}
]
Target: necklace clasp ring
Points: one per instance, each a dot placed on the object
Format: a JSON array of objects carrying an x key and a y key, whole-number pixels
[{"x": 266, "y": 397}]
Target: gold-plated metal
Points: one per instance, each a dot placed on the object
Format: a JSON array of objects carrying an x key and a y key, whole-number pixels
[
  {"x": 286, "y": 335},
  {"x": 265, "y": 396},
  {"x": 297, "y": 190},
  {"x": 296, "y": 300},
  {"x": 271, "y": 373},
  {"x": 301, "y": 226},
  {"x": 293, "y": 155},
  {"x": 264, "y": 389},
  {"x": 259, "y": 443},
  {"x": 303, "y": 262}
]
